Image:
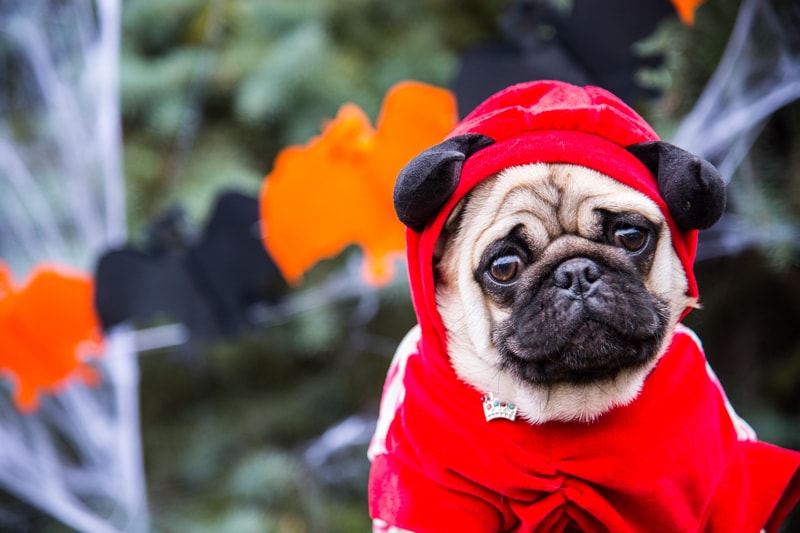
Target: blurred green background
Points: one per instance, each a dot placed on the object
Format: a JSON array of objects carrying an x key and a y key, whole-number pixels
[{"x": 212, "y": 90}]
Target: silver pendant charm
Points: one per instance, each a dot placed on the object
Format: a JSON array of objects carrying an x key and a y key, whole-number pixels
[{"x": 493, "y": 408}]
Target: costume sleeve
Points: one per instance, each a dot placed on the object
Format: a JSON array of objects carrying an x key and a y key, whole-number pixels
[
  {"x": 760, "y": 486},
  {"x": 409, "y": 500}
]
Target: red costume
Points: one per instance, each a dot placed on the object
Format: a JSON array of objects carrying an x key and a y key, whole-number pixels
[{"x": 677, "y": 459}]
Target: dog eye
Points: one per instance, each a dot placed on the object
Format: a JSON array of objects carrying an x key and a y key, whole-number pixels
[
  {"x": 506, "y": 268},
  {"x": 631, "y": 238}
]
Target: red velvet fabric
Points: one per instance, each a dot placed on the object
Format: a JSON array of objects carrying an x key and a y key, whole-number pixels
[
  {"x": 672, "y": 461},
  {"x": 675, "y": 460}
]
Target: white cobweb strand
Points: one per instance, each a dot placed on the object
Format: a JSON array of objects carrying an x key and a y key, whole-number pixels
[
  {"x": 101, "y": 488},
  {"x": 78, "y": 457},
  {"x": 63, "y": 184},
  {"x": 758, "y": 74}
]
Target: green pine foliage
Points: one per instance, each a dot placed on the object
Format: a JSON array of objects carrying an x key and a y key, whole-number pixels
[
  {"x": 212, "y": 90},
  {"x": 225, "y": 431}
]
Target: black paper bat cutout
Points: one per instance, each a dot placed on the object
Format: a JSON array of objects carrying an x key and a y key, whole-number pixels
[
  {"x": 542, "y": 42},
  {"x": 209, "y": 284}
]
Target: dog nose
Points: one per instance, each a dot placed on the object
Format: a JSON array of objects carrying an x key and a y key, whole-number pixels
[{"x": 577, "y": 275}]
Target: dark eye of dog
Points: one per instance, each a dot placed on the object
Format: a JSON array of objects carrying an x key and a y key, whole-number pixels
[
  {"x": 502, "y": 265},
  {"x": 631, "y": 238},
  {"x": 506, "y": 268},
  {"x": 629, "y": 231}
]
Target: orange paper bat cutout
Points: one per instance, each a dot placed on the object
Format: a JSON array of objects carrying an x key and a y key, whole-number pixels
[
  {"x": 686, "y": 9},
  {"x": 337, "y": 190},
  {"x": 47, "y": 329}
]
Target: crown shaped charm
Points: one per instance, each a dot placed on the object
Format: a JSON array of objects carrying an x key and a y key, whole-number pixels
[{"x": 496, "y": 409}]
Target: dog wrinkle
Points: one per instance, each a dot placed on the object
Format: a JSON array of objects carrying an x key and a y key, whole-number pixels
[
  {"x": 475, "y": 355},
  {"x": 523, "y": 189}
]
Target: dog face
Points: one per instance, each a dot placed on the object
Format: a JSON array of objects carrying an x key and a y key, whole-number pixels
[{"x": 559, "y": 289}]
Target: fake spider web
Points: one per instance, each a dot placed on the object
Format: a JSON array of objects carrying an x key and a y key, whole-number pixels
[
  {"x": 758, "y": 74},
  {"x": 76, "y": 457}
]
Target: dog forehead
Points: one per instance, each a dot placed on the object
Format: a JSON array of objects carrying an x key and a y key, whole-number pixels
[
  {"x": 560, "y": 198},
  {"x": 546, "y": 201}
]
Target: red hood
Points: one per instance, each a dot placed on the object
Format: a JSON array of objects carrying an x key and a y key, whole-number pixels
[{"x": 549, "y": 122}]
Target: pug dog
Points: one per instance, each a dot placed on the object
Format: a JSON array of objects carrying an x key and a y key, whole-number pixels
[
  {"x": 559, "y": 287},
  {"x": 549, "y": 385}
]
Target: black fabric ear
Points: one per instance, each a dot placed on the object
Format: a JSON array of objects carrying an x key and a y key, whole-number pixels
[
  {"x": 428, "y": 180},
  {"x": 691, "y": 187}
]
